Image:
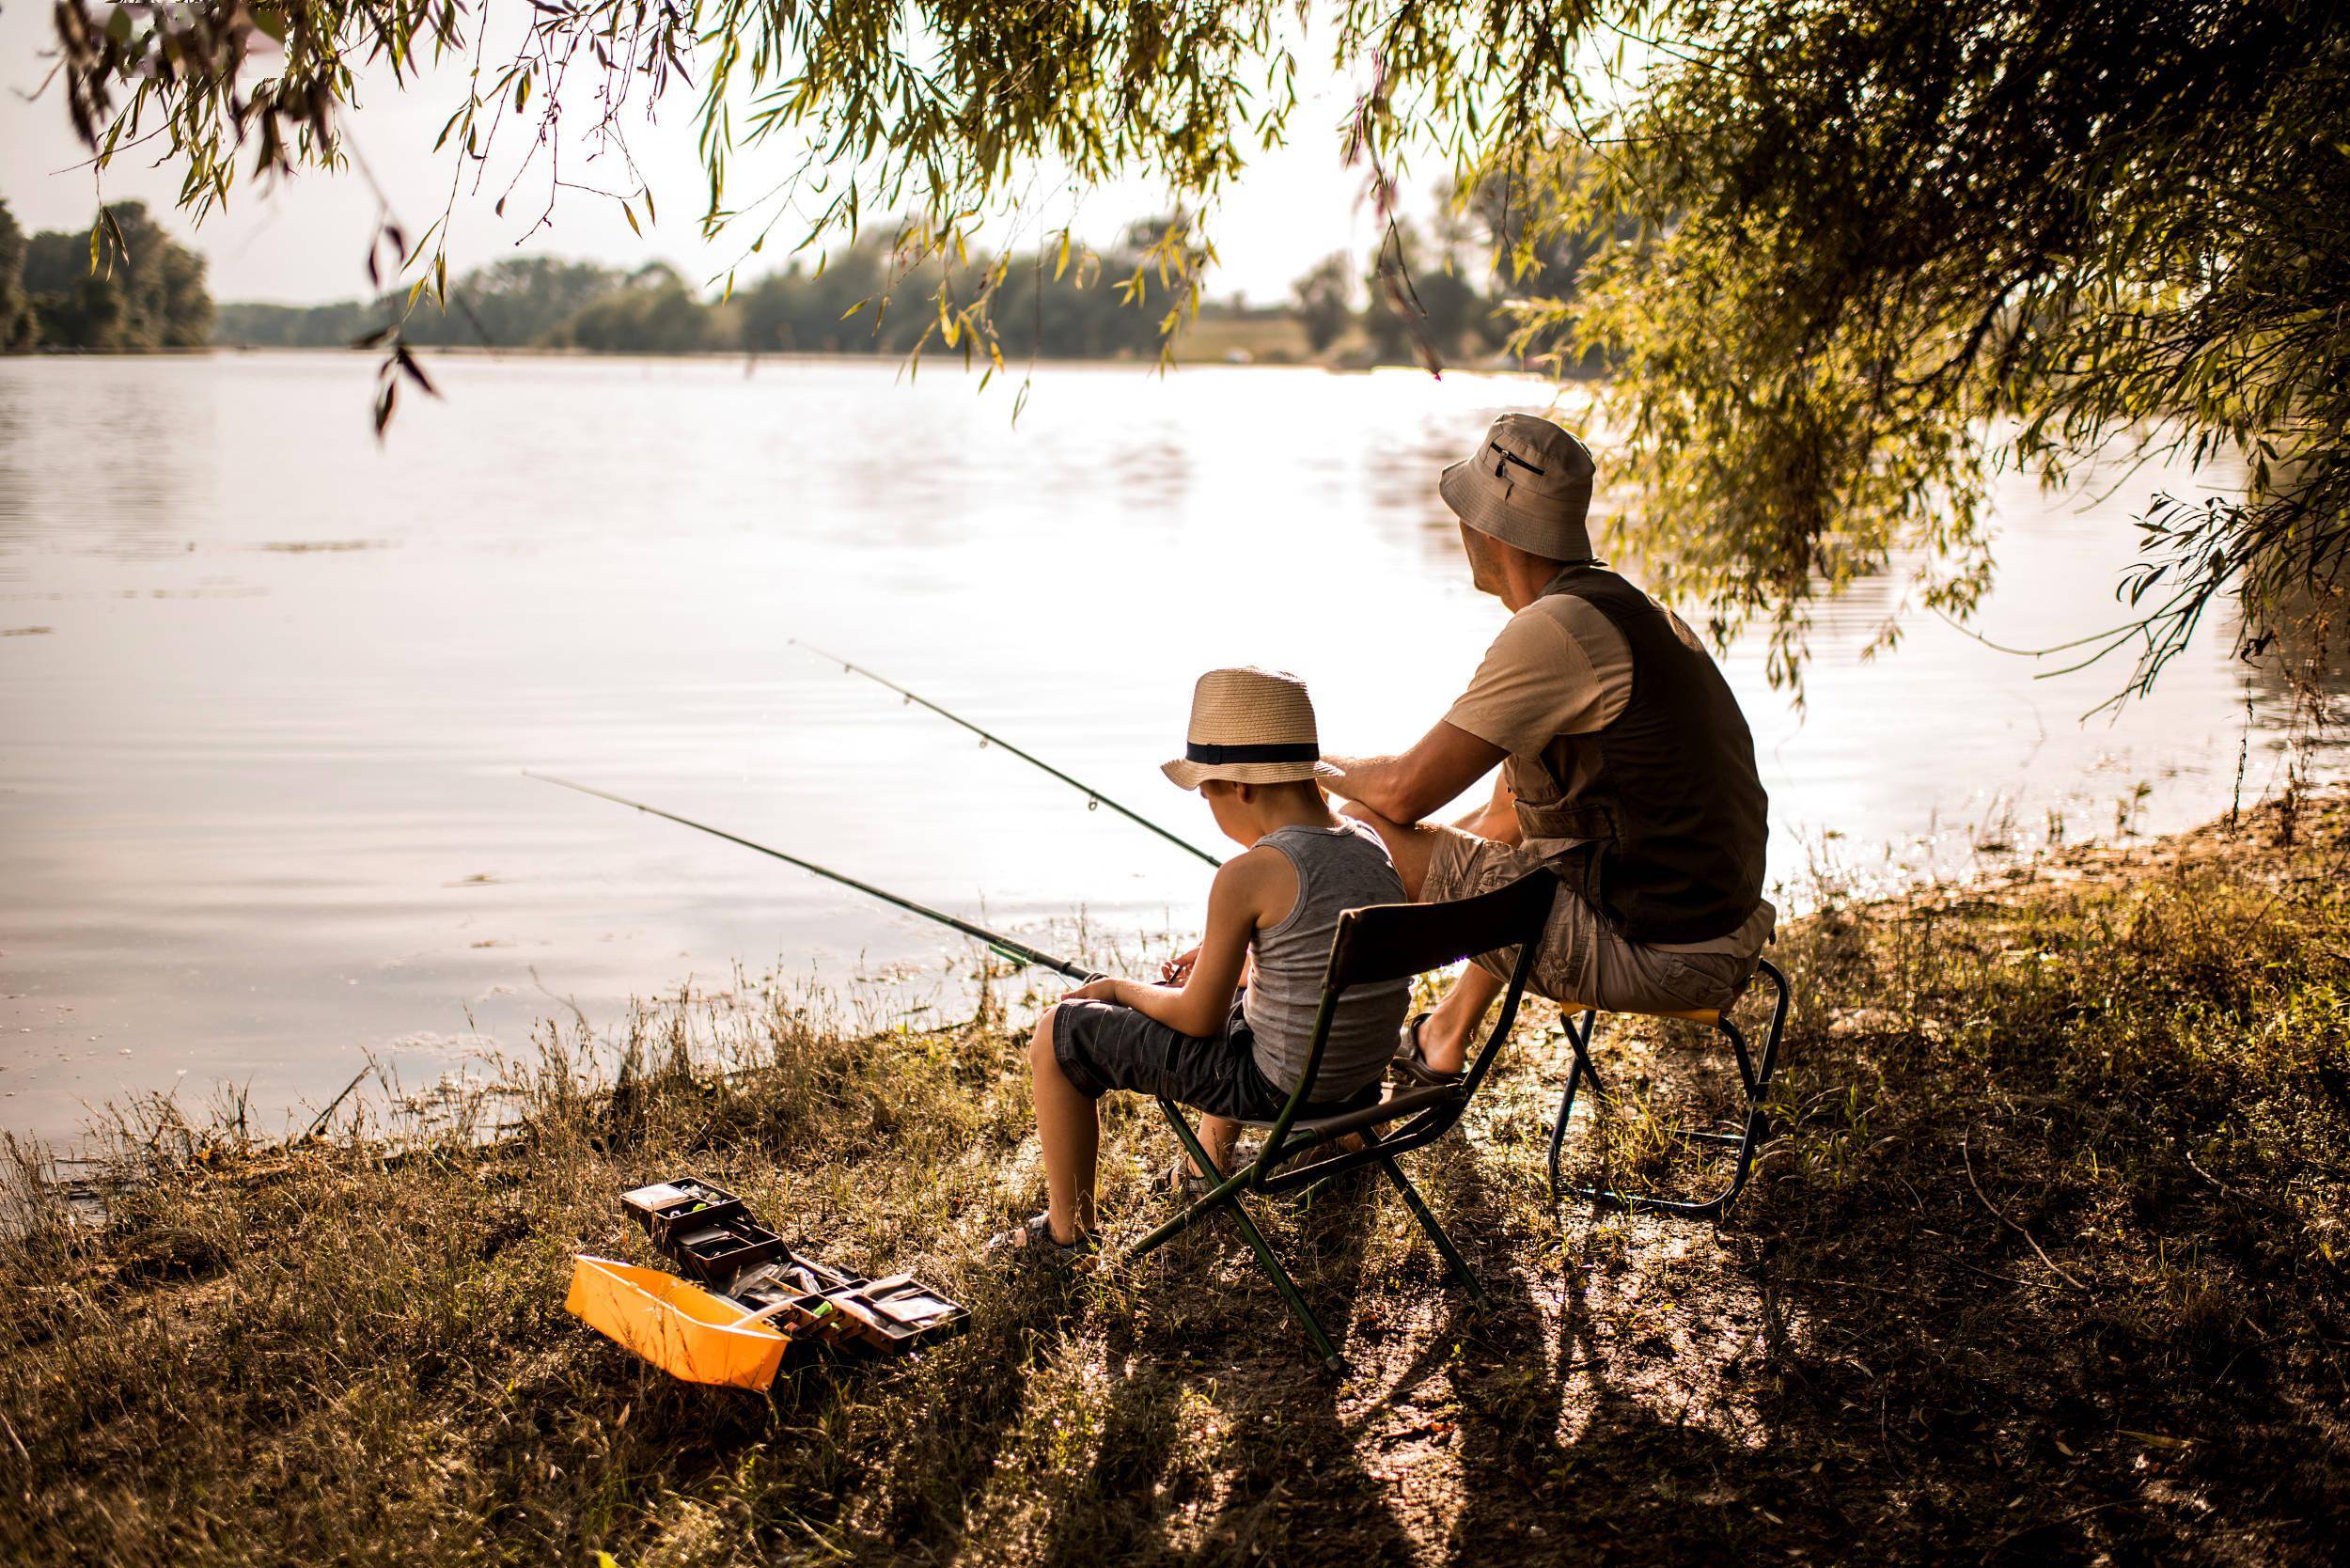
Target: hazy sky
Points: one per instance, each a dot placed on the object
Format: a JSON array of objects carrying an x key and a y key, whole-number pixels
[{"x": 306, "y": 241}]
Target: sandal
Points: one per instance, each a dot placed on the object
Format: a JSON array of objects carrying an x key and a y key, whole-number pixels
[
  {"x": 1032, "y": 1242},
  {"x": 1185, "y": 1183},
  {"x": 1411, "y": 1064}
]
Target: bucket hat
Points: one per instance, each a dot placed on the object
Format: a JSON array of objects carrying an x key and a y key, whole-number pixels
[
  {"x": 1528, "y": 485},
  {"x": 1252, "y": 726}
]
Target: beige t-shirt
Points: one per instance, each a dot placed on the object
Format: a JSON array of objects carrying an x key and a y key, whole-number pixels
[
  {"x": 1558, "y": 667},
  {"x": 1561, "y": 667}
]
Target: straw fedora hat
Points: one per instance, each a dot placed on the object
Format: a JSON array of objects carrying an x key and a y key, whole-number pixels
[
  {"x": 1252, "y": 726},
  {"x": 1528, "y": 485}
]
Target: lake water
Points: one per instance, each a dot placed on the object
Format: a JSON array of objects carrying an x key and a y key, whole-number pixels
[{"x": 268, "y": 687}]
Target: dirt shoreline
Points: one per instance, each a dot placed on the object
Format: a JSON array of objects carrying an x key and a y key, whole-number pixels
[{"x": 2046, "y": 1265}]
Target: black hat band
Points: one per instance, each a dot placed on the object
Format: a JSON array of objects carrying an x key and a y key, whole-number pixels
[{"x": 1199, "y": 751}]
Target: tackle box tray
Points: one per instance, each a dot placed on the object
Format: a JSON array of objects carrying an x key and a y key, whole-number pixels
[
  {"x": 885, "y": 1316},
  {"x": 664, "y": 1209}
]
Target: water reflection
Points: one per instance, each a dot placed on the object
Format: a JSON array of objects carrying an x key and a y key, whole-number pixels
[
  {"x": 260, "y": 804},
  {"x": 125, "y": 481},
  {"x": 2309, "y": 665}
]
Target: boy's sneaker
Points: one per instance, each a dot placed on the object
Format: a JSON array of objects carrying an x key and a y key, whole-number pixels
[
  {"x": 1411, "y": 1064},
  {"x": 1032, "y": 1243}
]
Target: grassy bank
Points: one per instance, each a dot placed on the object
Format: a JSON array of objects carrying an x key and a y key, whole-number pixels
[{"x": 2048, "y": 1265}]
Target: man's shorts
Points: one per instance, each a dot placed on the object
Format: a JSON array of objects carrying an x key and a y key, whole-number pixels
[
  {"x": 1102, "y": 1047},
  {"x": 1582, "y": 958}
]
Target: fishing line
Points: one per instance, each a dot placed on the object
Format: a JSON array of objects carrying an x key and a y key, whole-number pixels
[
  {"x": 1019, "y": 952},
  {"x": 1093, "y": 796}
]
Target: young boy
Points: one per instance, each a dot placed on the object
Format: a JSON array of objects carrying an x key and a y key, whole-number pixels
[{"x": 1199, "y": 1038}]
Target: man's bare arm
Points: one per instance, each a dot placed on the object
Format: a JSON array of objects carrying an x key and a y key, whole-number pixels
[{"x": 1406, "y": 789}]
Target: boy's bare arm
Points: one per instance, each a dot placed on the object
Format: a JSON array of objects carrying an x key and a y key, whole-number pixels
[
  {"x": 1175, "y": 970},
  {"x": 1244, "y": 889}
]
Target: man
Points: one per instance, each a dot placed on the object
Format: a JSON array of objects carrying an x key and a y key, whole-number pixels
[{"x": 1626, "y": 767}]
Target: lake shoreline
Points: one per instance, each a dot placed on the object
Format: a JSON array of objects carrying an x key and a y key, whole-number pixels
[
  {"x": 1014, "y": 365},
  {"x": 265, "y": 812},
  {"x": 2048, "y": 1251}
]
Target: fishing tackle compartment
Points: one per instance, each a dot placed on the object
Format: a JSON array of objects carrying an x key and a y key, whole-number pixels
[
  {"x": 705, "y": 1230},
  {"x": 710, "y": 1235}
]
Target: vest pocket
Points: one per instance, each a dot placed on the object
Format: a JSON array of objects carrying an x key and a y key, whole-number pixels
[{"x": 1561, "y": 819}]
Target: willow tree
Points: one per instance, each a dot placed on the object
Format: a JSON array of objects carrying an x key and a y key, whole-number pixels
[{"x": 1844, "y": 256}]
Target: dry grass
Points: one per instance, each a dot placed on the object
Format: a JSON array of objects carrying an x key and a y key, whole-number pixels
[{"x": 2049, "y": 1266}]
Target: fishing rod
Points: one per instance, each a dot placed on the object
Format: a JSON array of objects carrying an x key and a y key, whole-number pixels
[
  {"x": 1019, "y": 952},
  {"x": 1092, "y": 794}
]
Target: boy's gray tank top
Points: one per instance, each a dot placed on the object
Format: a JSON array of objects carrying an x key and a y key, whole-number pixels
[{"x": 1339, "y": 869}]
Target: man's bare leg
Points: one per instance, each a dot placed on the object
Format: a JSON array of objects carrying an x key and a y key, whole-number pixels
[
  {"x": 1444, "y": 1037},
  {"x": 1411, "y": 845}
]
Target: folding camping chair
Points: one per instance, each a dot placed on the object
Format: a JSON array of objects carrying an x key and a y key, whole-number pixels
[
  {"x": 1753, "y": 1079},
  {"x": 1383, "y": 941}
]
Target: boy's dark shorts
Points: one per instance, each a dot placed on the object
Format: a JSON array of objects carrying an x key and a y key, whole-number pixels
[{"x": 1102, "y": 1047}]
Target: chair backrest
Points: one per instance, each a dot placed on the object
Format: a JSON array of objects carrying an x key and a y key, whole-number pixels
[{"x": 1400, "y": 941}]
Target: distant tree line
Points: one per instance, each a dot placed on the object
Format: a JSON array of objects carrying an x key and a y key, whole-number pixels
[
  {"x": 122, "y": 286},
  {"x": 1429, "y": 296},
  {"x": 1414, "y": 301},
  {"x": 857, "y": 299}
]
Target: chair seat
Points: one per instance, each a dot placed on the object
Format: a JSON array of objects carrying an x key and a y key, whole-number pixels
[
  {"x": 1398, "y": 1103},
  {"x": 1710, "y": 1016}
]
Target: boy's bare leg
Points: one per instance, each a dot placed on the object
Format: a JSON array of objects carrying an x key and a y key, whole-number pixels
[
  {"x": 1217, "y": 1135},
  {"x": 1071, "y": 1133}
]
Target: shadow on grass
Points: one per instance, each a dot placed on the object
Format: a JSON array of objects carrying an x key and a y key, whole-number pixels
[{"x": 1216, "y": 1393}]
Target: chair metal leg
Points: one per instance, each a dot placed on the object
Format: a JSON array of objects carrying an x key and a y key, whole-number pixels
[
  {"x": 1454, "y": 1263},
  {"x": 1227, "y": 1196},
  {"x": 1288, "y": 1287},
  {"x": 1754, "y": 1080},
  {"x": 1580, "y": 1039},
  {"x": 1217, "y": 1198}
]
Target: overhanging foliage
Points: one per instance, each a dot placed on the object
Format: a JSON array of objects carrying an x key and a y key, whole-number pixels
[{"x": 1845, "y": 258}]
